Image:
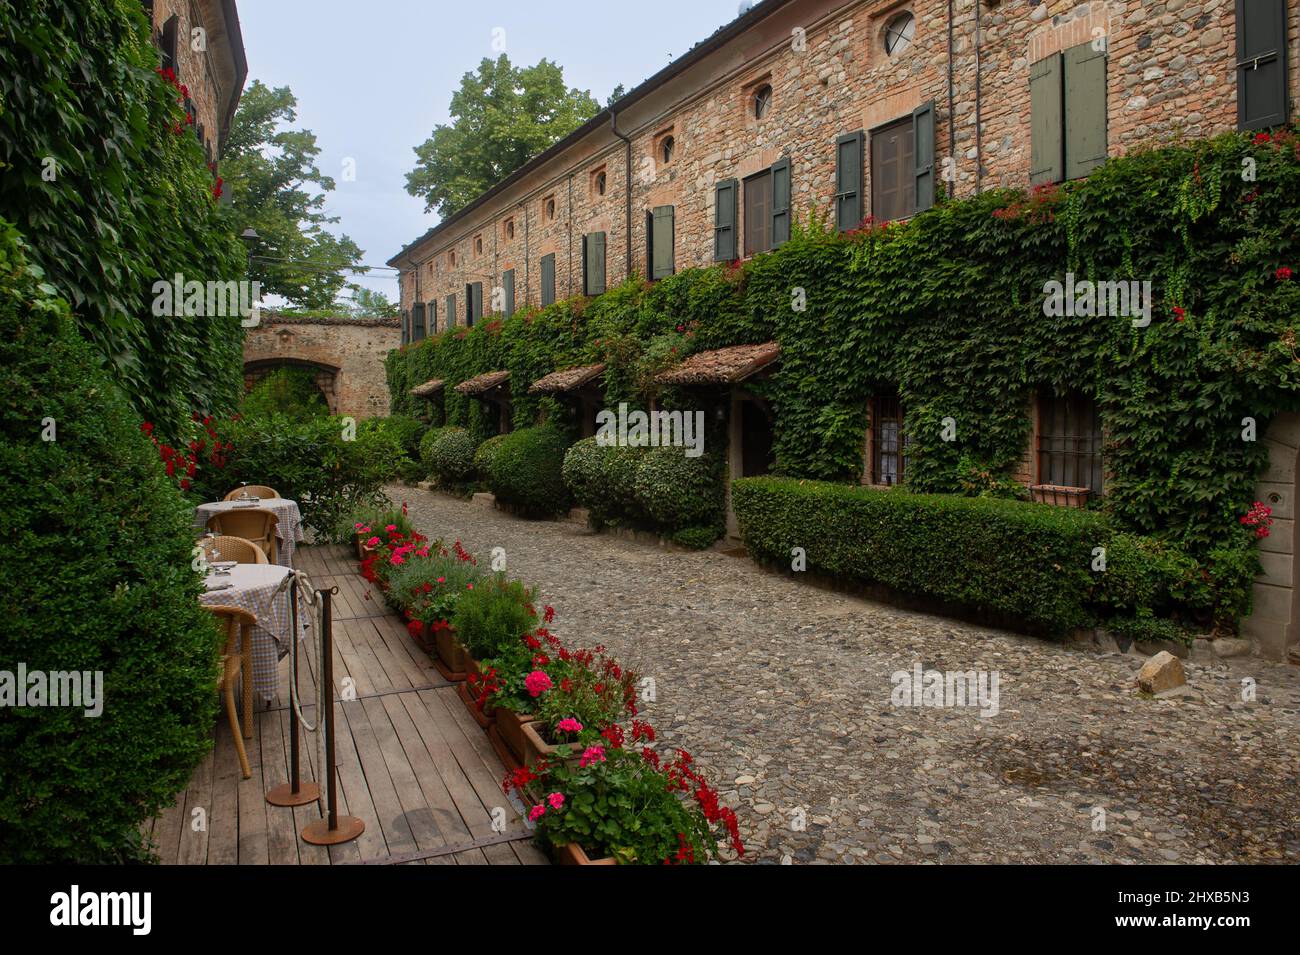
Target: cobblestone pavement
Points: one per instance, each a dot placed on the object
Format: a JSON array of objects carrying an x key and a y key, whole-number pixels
[{"x": 782, "y": 692}]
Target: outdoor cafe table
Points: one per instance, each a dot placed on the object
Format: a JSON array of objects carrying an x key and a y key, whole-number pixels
[
  {"x": 253, "y": 588},
  {"x": 288, "y": 529}
]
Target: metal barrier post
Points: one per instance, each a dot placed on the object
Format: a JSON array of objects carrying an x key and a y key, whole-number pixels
[{"x": 294, "y": 792}]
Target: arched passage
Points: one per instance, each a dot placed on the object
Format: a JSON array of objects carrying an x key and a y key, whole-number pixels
[{"x": 324, "y": 376}]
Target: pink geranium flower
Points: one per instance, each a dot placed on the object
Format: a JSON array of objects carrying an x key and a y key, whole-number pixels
[
  {"x": 537, "y": 683},
  {"x": 556, "y": 800},
  {"x": 593, "y": 754},
  {"x": 390, "y": 528},
  {"x": 569, "y": 725},
  {"x": 536, "y": 812},
  {"x": 373, "y": 542}
]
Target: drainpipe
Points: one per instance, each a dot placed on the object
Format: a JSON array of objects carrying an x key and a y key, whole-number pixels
[
  {"x": 528, "y": 254},
  {"x": 979, "y": 143},
  {"x": 627, "y": 164},
  {"x": 569, "y": 216},
  {"x": 952, "y": 120}
]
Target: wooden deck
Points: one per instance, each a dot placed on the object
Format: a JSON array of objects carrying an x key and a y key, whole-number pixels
[{"x": 412, "y": 763}]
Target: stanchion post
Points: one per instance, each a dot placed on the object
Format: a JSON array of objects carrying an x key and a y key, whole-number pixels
[
  {"x": 333, "y": 829},
  {"x": 294, "y": 792}
]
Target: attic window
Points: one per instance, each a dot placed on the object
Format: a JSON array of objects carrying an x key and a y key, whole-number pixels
[
  {"x": 899, "y": 32},
  {"x": 510, "y": 229},
  {"x": 666, "y": 150},
  {"x": 762, "y": 102},
  {"x": 478, "y": 245},
  {"x": 451, "y": 258},
  {"x": 599, "y": 182},
  {"x": 548, "y": 208}
]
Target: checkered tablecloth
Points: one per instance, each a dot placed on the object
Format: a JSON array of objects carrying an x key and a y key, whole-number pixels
[
  {"x": 288, "y": 529},
  {"x": 253, "y": 588}
]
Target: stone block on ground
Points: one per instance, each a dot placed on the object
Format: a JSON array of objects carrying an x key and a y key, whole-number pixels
[{"x": 1162, "y": 672}]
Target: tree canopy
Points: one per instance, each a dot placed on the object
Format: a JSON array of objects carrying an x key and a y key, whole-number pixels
[
  {"x": 502, "y": 115},
  {"x": 276, "y": 188}
]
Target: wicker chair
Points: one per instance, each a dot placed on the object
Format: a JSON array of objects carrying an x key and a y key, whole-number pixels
[
  {"x": 255, "y": 524},
  {"x": 238, "y": 549},
  {"x": 237, "y": 663},
  {"x": 256, "y": 490}
]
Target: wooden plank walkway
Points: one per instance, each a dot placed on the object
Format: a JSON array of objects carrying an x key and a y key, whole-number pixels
[{"x": 411, "y": 762}]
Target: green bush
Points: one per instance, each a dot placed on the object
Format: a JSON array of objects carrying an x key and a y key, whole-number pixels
[
  {"x": 407, "y": 433},
  {"x": 1028, "y": 561},
  {"x": 311, "y": 461},
  {"x": 288, "y": 391},
  {"x": 493, "y": 615},
  {"x": 448, "y": 453},
  {"x": 95, "y": 575},
  {"x": 603, "y": 480},
  {"x": 697, "y": 538},
  {"x": 679, "y": 492},
  {"x": 527, "y": 471},
  {"x": 486, "y": 455}
]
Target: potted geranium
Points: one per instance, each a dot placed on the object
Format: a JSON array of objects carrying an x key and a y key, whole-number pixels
[
  {"x": 614, "y": 806},
  {"x": 586, "y": 694}
]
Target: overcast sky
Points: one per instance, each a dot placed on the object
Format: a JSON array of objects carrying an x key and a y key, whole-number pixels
[{"x": 373, "y": 78}]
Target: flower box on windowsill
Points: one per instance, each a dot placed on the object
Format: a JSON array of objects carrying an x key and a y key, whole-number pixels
[{"x": 1059, "y": 495}]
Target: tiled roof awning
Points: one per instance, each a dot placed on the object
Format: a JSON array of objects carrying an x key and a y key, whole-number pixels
[
  {"x": 428, "y": 389},
  {"x": 567, "y": 379},
  {"x": 723, "y": 366},
  {"x": 482, "y": 384}
]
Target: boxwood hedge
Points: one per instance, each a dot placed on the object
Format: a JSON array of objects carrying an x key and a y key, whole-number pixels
[
  {"x": 448, "y": 453},
  {"x": 527, "y": 471},
  {"x": 486, "y": 455}
]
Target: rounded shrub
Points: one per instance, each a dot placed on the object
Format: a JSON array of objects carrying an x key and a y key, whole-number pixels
[
  {"x": 486, "y": 455},
  {"x": 448, "y": 453},
  {"x": 527, "y": 472},
  {"x": 603, "y": 479},
  {"x": 406, "y": 432},
  {"x": 95, "y": 577},
  {"x": 679, "y": 492}
]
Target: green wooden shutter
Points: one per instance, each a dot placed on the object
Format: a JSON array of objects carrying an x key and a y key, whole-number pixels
[
  {"x": 724, "y": 221},
  {"x": 848, "y": 181},
  {"x": 923, "y": 154},
  {"x": 649, "y": 244},
  {"x": 417, "y": 321},
  {"x": 548, "y": 280},
  {"x": 593, "y": 263},
  {"x": 508, "y": 285},
  {"x": 451, "y": 310},
  {"x": 406, "y": 327},
  {"x": 663, "y": 231},
  {"x": 780, "y": 202},
  {"x": 1085, "y": 110},
  {"x": 476, "y": 301},
  {"x": 433, "y": 316},
  {"x": 1046, "y": 109},
  {"x": 1261, "y": 64},
  {"x": 170, "y": 37}
]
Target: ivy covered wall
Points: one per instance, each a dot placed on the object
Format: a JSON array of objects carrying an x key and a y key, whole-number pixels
[{"x": 947, "y": 309}]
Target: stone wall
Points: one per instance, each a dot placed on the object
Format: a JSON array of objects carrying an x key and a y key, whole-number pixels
[{"x": 347, "y": 354}]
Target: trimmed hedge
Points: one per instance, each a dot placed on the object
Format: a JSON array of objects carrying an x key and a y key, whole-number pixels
[
  {"x": 1028, "y": 561},
  {"x": 527, "y": 471},
  {"x": 603, "y": 480},
  {"x": 486, "y": 455},
  {"x": 95, "y": 575},
  {"x": 679, "y": 492},
  {"x": 448, "y": 453}
]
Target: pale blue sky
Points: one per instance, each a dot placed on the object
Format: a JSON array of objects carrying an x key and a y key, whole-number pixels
[{"x": 374, "y": 78}]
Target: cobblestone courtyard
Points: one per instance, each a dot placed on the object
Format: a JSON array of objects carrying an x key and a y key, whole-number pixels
[{"x": 782, "y": 692}]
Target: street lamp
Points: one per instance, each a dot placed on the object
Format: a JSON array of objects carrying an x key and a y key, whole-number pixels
[{"x": 249, "y": 237}]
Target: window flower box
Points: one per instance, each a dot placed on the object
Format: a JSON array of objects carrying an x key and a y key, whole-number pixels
[{"x": 1059, "y": 495}]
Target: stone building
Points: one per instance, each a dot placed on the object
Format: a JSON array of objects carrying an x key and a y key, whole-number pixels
[
  {"x": 201, "y": 43},
  {"x": 854, "y": 109}
]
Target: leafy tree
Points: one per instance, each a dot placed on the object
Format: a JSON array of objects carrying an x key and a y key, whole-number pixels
[
  {"x": 368, "y": 303},
  {"x": 268, "y": 170},
  {"x": 502, "y": 117},
  {"x": 619, "y": 92}
]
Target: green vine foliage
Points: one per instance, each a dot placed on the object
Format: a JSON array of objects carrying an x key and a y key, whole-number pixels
[
  {"x": 131, "y": 200},
  {"x": 947, "y": 310}
]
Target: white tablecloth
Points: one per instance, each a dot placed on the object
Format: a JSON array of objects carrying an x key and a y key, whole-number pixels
[
  {"x": 253, "y": 589},
  {"x": 288, "y": 529}
]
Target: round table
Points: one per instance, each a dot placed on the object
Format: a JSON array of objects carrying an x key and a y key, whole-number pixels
[
  {"x": 253, "y": 588},
  {"x": 288, "y": 528}
]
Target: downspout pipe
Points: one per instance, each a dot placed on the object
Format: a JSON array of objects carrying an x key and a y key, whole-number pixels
[
  {"x": 979, "y": 141},
  {"x": 627, "y": 167},
  {"x": 952, "y": 118}
]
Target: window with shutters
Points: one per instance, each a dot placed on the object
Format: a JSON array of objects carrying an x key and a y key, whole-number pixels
[
  {"x": 508, "y": 292},
  {"x": 1069, "y": 441},
  {"x": 593, "y": 263},
  {"x": 417, "y": 322},
  {"x": 893, "y": 182},
  {"x": 781, "y": 198},
  {"x": 548, "y": 280},
  {"x": 888, "y": 443},
  {"x": 848, "y": 181},
  {"x": 758, "y": 213},
  {"x": 1067, "y": 106},
  {"x": 1261, "y": 63},
  {"x": 473, "y": 302},
  {"x": 724, "y": 221},
  {"x": 661, "y": 260}
]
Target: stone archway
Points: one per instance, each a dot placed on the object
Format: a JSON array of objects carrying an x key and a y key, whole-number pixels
[
  {"x": 324, "y": 376},
  {"x": 1274, "y": 625}
]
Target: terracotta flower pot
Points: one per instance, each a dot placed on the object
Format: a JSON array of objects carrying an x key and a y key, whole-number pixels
[
  {"x": 450, "y": 659},
  {"x": 483, "y": 715},
  {"x": 362, "y": 550},
  {"x": 536, "y": 748},
  {"x": 511, "y": 727},
  {"x": 422, "y": 636},
  {"x": 572, "y": 854}
]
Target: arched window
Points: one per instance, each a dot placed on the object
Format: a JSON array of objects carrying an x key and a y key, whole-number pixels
[
  {"x": 762, "y": 102},
  {"x": 898, "y": 33},
  {"x": 666, "y": 149}
]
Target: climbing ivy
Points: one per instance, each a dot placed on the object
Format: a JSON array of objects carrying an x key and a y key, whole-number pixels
[{"x": 947, "y": 310}]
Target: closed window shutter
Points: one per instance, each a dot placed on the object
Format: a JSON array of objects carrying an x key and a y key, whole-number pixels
[
  {"x": 1046, "y": 107},
  {"x": 406, "y": 325},
  {"x": 1085, "y": 114},
  {"x": 848, "y": 181},
  {"x": 477, "y": 300},
  {"x": 923, "y": 154},
  {"x": 780, "y": 202},
  {"x": 649, "y": 245},
  {"x": 450, "y": 310},
  {"x": 724, "y": 221},
  {"x": 170, "y": 35},
  {"x": 663, "y": 234},
  {"x": 1261, "y": 64},
  {"x": 433, "y": 317},
  {"x": 417, "y": 323},
  {"x": 593, "y": 263},
  {"x": 548, "y": 280},
  {"x": 508, "y": 286}
]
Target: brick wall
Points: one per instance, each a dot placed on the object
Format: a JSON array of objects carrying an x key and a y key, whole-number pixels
[{"x": 1170, "y": 72}]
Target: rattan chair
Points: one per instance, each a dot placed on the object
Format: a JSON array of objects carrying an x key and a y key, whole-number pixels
[
  {"x": 256, "y": 490},
  {"x": 238, "y": 549},
  {"x": 237, "y": 662},
  {"x": 255, "y": 524}
]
